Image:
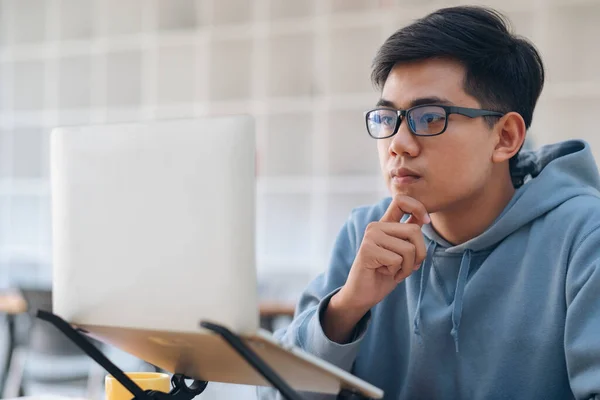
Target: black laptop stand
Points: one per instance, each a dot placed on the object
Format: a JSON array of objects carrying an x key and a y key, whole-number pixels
[{"x": 180, "y": 390}]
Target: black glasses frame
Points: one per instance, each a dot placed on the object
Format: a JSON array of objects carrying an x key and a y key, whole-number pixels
[{"x": 467, "y": 112}]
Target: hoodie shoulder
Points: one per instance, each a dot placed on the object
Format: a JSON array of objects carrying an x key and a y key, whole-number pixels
[
  {"x": 583, "y": 206},
  {"x": 579, "y": 215}
]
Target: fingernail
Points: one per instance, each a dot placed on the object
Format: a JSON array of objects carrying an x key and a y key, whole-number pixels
[
  {"x": 417, "y": 267},
  {"x": 427, "y": 219}
]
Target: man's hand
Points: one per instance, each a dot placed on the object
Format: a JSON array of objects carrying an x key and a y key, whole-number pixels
[{"x": 390, "y": 251}]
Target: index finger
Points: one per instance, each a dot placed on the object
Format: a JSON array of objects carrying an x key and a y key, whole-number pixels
[{"x": 401, "y": 205}]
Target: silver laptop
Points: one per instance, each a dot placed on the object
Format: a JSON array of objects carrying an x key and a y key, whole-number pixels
[{"x": 153, "y": 232}]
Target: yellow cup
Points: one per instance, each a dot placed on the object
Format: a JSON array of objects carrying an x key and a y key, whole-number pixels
[{"x": 145, "y": 380}]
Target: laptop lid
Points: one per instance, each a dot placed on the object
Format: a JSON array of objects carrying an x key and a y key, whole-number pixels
[{"x": 153, "y": 224}]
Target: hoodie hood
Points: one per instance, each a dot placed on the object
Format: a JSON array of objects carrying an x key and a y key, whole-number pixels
[{"x": 544, "y": 179}]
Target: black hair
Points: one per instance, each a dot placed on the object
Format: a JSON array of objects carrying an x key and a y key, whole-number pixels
[{"x": 504, "y": 72}]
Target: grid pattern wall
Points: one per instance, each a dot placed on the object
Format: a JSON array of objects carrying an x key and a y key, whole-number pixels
[{"x": 301, "y": 67}]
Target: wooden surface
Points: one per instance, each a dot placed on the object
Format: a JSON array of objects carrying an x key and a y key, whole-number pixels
[
  {"x": 274, "y": 309},
  {"x": 14, "y": 303}
]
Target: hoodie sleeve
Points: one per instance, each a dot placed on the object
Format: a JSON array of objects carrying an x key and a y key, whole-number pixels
[
  {"x": 582, "y": 325},
  {"x": 306, "y": 331}
]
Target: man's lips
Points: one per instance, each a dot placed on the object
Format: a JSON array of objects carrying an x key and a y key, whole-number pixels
[
  {"x": 404, "y": 180},
  {"x": 404, "y": 176}
]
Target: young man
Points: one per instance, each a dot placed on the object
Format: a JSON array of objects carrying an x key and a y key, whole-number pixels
[{"x": 480, "y": 277}]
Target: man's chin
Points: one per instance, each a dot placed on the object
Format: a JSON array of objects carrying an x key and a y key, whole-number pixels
[
  {"x": 411, "y": 193},
  {"x": 395, "y": 191}
]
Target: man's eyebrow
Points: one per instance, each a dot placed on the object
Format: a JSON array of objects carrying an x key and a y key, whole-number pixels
[
  {"x": 385, "y": 103},
  {"x": 415, "y": 102}
]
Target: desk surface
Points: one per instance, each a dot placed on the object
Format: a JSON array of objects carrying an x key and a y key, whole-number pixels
[
  {"x": 273, "y": 309},
  {"x": 14, "y": 303}
]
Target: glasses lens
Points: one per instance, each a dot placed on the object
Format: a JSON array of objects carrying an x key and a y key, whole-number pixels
[
  {"x": 381, "y": 123},
  {"x": 427, "y": 120}
]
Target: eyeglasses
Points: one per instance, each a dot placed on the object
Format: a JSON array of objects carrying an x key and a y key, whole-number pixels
[{"x": 424, "y": 120}]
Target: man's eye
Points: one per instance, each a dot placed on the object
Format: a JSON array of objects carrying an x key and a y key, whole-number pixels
[
  {"x": 388, "y": 121},
  {"x": 431, "y": 118}
]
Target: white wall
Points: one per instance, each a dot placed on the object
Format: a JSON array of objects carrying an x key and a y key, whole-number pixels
[{"x": 301, "y": 67}]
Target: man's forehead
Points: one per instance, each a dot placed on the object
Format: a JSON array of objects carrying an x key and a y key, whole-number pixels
[
  {"x": 418, "y": 101},
  {"x": 410, "y": 84}
]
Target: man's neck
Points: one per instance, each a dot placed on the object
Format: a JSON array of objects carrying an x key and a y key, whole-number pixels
[{"x": 472, "y": 217}]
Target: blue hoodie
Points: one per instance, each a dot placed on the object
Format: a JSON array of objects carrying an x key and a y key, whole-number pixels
[{"x": 513, "y": 313}]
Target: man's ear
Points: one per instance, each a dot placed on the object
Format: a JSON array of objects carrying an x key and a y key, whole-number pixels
[{"x": 511, "y": 135}]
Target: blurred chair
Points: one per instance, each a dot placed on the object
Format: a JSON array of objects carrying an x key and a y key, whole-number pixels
[{"x": 44, "y": 356}]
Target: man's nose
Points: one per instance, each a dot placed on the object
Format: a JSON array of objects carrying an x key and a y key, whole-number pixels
[{"x": 404, "y": 143}]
